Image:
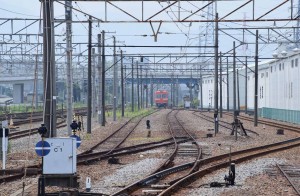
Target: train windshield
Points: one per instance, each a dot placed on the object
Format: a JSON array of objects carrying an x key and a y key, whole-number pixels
[
  {"x": 164, "y": 96},
  {"x": 158, "y": 96}
]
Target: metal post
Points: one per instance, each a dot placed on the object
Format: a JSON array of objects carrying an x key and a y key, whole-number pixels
[
  {"x": 115, "y": 83},
  {"x": 246, "y": 86},
  {"x": 68, "y": 11},
  {"x": 99, "y": 81},
  {"x": 49, "y": 69},
  {"x": 221, "y": 81},
  {"x": 227, "y": 86},
  {"x": 256, "y": 81},
  {"x": 132, "y": 87},
  {"x": 89, "y": 97},
  {"x": 103, "y": 81},
  {"x": 137, "y": 79},
  {"x": 216, "y": 77},
  {"x": 122, "y": 84}
]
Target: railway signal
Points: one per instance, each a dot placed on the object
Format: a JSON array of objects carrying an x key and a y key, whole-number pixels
[{"x": 42, "y": 148}]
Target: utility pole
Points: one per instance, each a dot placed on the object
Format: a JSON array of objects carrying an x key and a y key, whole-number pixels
[
  {"x": 68, "y": 11},
  {"x": 227, "y": 86},
  {"x": 94, "y": 93},
  {"x": 122, "y": 84},
  {"x": 151, "y": 91},
  {"x": 221, "y": 81},
  {"x": 238, "y": 89},
  {"x": 201, "y": 89},
  {"x": 246, "y": 86},
  {"x": 99, "y": 81},
  {"x": 177, "y": 92},
  {"x": 147, "y": 94},
  {"x": 103, "y": 81},
  {"x": 142, "y": 87},
  {"x": 138, "y": 90},
  {"x": 89, "y": 97},
  {"x": 234, "y": 91},
  {"x": 49, "y": 68},
  {"x": 256, "y": 81},
  {"x": 216, "y": 77},
  {"x": 132, "y": 87},
  {"x": 115, "y": 83}
]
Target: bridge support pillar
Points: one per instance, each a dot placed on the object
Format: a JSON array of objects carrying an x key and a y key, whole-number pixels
[{"x": 18, "y": 93}]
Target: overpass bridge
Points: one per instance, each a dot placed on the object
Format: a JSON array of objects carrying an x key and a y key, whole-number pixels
[{"x": 25, "y": 84}]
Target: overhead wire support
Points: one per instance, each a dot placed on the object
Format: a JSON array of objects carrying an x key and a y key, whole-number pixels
[
  {"x": 115, "y": 87},
  {"x": 89, "y": 97},
  {"x": 216, "y": 93},
  {"x": 103, "y": 80}
]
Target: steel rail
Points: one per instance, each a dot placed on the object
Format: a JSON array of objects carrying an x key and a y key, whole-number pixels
[
  {"x": 288, "y": 178},
  {"x": 272, "y": 124},
  {"x": 115, "y": 132},
  {"x": 163, "y": 170},
  {"x": 218, "y": 162},
  {"x": 230, "y": 128}
]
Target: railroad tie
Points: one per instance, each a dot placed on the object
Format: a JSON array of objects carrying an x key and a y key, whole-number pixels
[{"x": 152, "y": 191}]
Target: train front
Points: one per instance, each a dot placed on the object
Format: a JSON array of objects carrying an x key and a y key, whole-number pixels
[{"x": 161, "y": 98}]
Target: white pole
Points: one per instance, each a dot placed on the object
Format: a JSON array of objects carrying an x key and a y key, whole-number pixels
[{"x": 3, "y": 148}]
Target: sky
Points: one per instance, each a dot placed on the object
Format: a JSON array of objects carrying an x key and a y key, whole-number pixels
[{"x": 140, "y": 34}]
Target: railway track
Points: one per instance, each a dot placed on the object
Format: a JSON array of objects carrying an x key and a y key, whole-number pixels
[
  {"x": 28, "y": 117},
  {"x": 272, "y": 124},
  {"x": 89, "y": 155},
  {"x": 224, "y": 124},
  {"x": 292, "y": 174},
  {"x": 19, "y": 134},
  {"x": 167, "y": 174},
  {"x": 211, "y": 164}
]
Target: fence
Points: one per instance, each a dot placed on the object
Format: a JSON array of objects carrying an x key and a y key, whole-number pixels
[{"x": 292, "y": 116}]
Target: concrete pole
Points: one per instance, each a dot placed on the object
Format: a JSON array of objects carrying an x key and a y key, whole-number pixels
[
  {"x": 68, "y": 11},
  {"x": 138, "y": 89},
  {"x": 99, "y": 81},
  {"x": 246, "y": 86},
  {"x": 256, "y": 82},
  {"x": 36, "y": 84},
  {"x": 115, "y": 84},
  {"x": 103, "y": 81},
  {"x": 177, "y": 92},
  {"x": 238, "y": 89},
  {"x": 94, "y": 89},
  {"x": 151, "y": 91},
  {"x": 234, "y": 90},
  {"x": 132, "y": 87},
  {"x": 89, "y": 97},
  {"x": 221, "y": 82},
  {"x": 147, "y": 93},
  {"x": 122, "y": 84},
  {"x": 216, "y": 77},
  {"x": 227, "y": 86},
  {"x": 141, "y": 87}
]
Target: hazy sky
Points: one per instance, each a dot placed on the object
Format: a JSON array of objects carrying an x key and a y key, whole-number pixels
[{"x": 171, "y": 33}]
